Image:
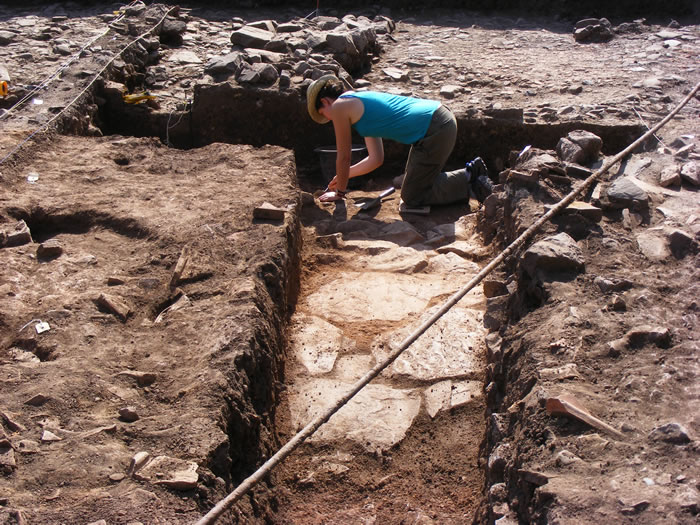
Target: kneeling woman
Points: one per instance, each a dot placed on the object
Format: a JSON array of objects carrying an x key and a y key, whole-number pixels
[{"x": 428, "y": 126}]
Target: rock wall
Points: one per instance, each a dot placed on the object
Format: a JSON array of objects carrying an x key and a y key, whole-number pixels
[{"x": 575, "y": 348}]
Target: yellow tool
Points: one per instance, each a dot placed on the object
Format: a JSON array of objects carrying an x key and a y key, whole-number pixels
[
  {"x": 4, "y": 89},
  {"x": 137, "y": 98}
]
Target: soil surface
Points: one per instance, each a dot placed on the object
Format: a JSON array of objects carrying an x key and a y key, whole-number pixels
[{"x": 155, "y": 336}]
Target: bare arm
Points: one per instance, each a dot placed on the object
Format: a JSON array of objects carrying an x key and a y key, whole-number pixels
[
  {"x": 343, "y": 143},
  {"x": 374, "y": 158}
]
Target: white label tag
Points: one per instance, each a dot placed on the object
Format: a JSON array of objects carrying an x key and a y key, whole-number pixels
[{"x": 42, "y": 327}]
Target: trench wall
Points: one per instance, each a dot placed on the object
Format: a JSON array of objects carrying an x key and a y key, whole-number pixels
[{"x": 228, "y": 113}]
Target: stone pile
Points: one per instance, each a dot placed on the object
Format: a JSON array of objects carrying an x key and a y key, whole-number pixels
[
  {"x": 550, "y": 380},
  {"x": 265, "y": 52},
  {"x": 593, "y": 30}
]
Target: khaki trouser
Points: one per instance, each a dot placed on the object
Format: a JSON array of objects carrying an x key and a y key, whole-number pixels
[{"x": 424, "y": 182}]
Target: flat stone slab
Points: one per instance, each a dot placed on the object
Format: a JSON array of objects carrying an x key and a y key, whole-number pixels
[
  {"x": 448, "y": 349},
  {"x": 174, "y": 473},
  {"x": 350, "y": 368},
  {"x": 377, "y": 296},
  {"x": 316, "y": 343},
  {"x": 448, "y": 394},
  {"x": 184, "y": 57},
  {"x": 378, "y": 417},
  {"x": 397, "y": 260},
  {"x": 450, "y": 262}
]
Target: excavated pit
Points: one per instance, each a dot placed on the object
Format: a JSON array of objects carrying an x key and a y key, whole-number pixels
[
  {"x": 225, "y": 113},
  {"x": 320, "y": 467},
  {"x": 322, "y": 474},
  {"x": 261, "y": 308}
]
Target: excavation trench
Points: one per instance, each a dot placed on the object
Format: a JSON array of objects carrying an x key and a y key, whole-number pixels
[
  {"x": 236, "y": 115},
  {"x": 288, "y": 314},
  {"x": 409, "y": 443},
  {"x": 184, "y": 330}
]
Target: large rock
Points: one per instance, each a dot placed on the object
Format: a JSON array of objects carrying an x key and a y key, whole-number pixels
[
  {"x": 7, "y": 37},
  {"x": 558, "y": 253},
  {"x": 670, "y": 433},
  {"x": 227, "y": 64},
  {"x": 690, "y": 173},
  {"x": 624, "y": 193},
  {"x": 653, "y": 245},
  {"x": 326, "y": 23},
  {"x": 449, "y": 350},
  {"x": 593, "y": 30},
  {"x": 171, "y": 31},
  {"x": 670, "y": 176},
  {"x": 19, "y": 235},
  {"x": 580, "y": 147},
  {"x": 248, "y": 36},
  {"x": 257, "y": 74},
  {"x": 377, "y": 418},
  {"x": 316, "y": 343}
]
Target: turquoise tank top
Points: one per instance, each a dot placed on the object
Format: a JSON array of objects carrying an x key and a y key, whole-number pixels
[{"x": 395, "y": 117}]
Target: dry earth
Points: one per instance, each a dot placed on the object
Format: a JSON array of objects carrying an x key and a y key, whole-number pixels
[{"x": 178, "y": 324}]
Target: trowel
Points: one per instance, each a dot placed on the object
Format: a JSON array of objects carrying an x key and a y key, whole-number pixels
[{"x": 373, "y": 202}]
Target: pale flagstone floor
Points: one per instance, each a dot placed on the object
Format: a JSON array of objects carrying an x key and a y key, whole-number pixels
[{"x": 396, "y": 288}]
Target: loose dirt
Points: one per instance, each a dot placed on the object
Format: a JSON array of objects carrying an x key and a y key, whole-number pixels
[{"x": 205, "y": 358}]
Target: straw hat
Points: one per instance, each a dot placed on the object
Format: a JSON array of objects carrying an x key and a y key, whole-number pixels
[{"x": 312, "y": 95}]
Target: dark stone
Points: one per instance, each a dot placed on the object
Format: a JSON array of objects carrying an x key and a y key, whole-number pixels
[
  {"x": 593, "y": 30},
  {"x": 670, "y": 433},
  {"x": 49, "y": 249},
  {"x": 227, "y": 64},
  {"x": 171, "y": 31},
  {"x": 558, "y": 253},
  {"x": 624, "y": 193}
]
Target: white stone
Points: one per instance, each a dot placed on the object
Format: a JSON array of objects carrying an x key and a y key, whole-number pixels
[
  {"x": 653, "y": 245},
  {"x": 171, "y": 472},
  {"x": 184, "y": 57},
  {"x": 376, "y": 296},
  {"x": 316, "y": 343},
  {"x": 449, "y": 348},
  {"x": 397, "y": 260},
  {"x": 449, "y": 91},
  {"x": 437, "y": 397},
  {"x": 395, "y": 73},
  {"x": 47, "y": 436},
  {"x": 350, "y": 368},
  {"x": 464, "y": 392},
  {"x": 378, "y": 417},
  {"x": 450, "y": 262}
]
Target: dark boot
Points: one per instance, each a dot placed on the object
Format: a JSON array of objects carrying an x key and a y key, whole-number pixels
[{"x": 480, "y": 181}]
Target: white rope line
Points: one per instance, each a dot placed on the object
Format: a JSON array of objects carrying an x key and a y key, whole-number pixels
[
  {"x": 647, "y": 126},
  {"x": 168, "y": 127},
  {"x": 30, "y": 322},
  {"x": 64, "y": 66},
  {"x": 215, "y": 513},
  {"x": 84, "y": 90},
  {"x": 52, "y": 77}
]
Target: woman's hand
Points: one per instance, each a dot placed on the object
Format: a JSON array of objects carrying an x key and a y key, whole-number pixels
[{"x": 332, "y": 196}]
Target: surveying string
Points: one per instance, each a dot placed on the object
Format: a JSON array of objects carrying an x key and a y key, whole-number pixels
[
  {"x": 109, "y": 62},
  {"x": 242, "y": 489},
  {"x": 64, "y": 66}
]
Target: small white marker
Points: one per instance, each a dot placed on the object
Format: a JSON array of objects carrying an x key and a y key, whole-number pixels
[{"x": 41, "y": 327}]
